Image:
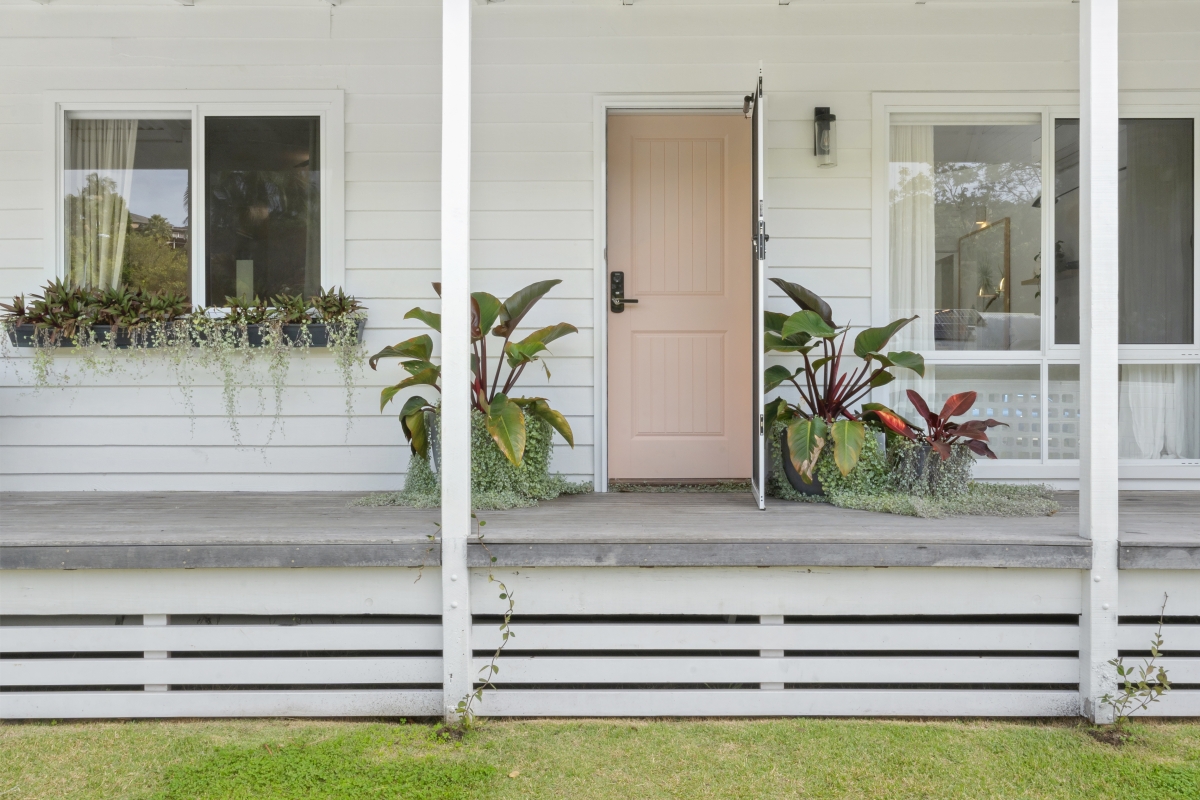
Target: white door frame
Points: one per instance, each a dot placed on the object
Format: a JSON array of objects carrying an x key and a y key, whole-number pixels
[{"x": 602, "y": 104}]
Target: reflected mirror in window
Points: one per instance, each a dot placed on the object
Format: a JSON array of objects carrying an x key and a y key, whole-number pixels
[
  {"x": 1010, "y": 394},
  {"x": 1159, "y": 411},
  {"x": 263, "y": 203},
  {"x": 1156, "y": 231},
  {"x": 965, "y": 243},
  {"x": 126, "y": 190}
]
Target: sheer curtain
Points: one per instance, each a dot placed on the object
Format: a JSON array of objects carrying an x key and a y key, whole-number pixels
[
  {"x": 1159, "y": 411},
  {"x": 913, "y": 247},
  {"x": 99, "y": 173}
]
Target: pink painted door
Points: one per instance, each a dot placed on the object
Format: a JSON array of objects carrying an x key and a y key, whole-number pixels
[{"x": 679, "y": 360}]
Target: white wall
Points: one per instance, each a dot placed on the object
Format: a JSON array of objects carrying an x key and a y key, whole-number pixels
[{"x": 538, "y": 69}]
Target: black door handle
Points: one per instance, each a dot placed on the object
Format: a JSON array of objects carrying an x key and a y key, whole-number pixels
[{"x": 616, "y": 293}]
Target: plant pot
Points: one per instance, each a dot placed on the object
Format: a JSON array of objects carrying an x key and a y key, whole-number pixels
[
  {"x": 815, "y": 489},
  {"x": 26, "y": 335}
]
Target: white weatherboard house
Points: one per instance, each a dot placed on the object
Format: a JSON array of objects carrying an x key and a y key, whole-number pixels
[{"x": 1021, "y": 175}]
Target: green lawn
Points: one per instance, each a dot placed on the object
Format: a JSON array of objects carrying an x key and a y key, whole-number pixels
[{"x": 597, "y": 759}]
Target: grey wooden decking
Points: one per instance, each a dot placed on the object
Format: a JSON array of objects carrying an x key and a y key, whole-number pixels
[{"x": 192, "y": 530}]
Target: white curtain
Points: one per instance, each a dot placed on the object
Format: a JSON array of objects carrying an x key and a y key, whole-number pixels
[
  {"x": 1159, "y": 411},
  {"x": 913, "y": 250},
  {"x": 99, "y": 175}
]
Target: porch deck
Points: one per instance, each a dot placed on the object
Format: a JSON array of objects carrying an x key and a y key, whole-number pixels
[{"x": 1159, "y": 530}]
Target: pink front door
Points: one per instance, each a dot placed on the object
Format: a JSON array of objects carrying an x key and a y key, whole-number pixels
[{"x": 679, "y": 361}]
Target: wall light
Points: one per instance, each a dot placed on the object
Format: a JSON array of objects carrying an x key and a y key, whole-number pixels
[{"x": 825, "y": 138}]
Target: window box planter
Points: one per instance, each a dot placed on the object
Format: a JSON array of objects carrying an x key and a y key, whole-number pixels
[{"x": 26, "y": 335}]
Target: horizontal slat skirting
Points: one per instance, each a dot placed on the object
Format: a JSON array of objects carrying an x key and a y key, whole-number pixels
[
  {"x": 603, "y": 636},
  {"x": 218, "y": 671},
  {"x": 787, "y": 702},
  {"x": 1175, "y": 637},
  {"x": 1176, "y": 703},
  {"x": 742, "y": 669},
  {"x": 304, "y": 703},
  {"x": 218, "y": 638}
]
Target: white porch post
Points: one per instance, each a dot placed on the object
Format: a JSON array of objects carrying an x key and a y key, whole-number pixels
[
  {"x": 456, "y": 347},
  {"x": 1098, "y": 348}
]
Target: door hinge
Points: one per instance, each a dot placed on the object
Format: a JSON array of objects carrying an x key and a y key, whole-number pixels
[{"x": 762, "y": 422}]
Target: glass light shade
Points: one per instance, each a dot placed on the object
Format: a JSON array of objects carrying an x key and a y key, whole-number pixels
[{"x": 825, "y": 138}]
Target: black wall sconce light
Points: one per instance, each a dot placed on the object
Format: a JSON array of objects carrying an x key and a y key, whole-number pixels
[{"x": 825, "y": 137}]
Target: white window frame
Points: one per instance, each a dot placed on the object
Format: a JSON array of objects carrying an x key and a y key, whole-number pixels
[
  {"x": 327, "y": 105},
  {"x": 1051, "y": 106}
]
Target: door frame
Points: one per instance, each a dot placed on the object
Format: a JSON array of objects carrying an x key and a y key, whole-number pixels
[{"x": 602, "y": 104}]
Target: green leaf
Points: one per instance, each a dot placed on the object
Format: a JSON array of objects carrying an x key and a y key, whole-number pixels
[
  {"x": 848, "y": 438},
  {"x": 416, "y": 365},
  {"x": 882, "y": 379},
  {"x": 414, "y": 428},
  {"x": 773, "y": 321},
  {"x": 775, "y": 375},
  {"x": 806, "y": 438},
  {"x": 550, "y": 333},
  {"x": 506, "y": 424},
  {"x": 820, "y": 362},
  {"x": 387, "y": 394},
  {"x": 872, "y": 340},
  {"x": 538, "y": 407},
  {"x": 411, "y": 406},
  {"x": 810, "y": 301},
  {"x": 428, "y": 317},
  {"x": 517, "y": 306},
  {"x": 774, "y": 411},
  {"x": 485, "y": 309},
  {"x": 519, "y": 353},
  {"x": 809, "y": 322},
  {"x": 420, "y": 347},
  {"x": 796, "y": 344},
  {"x": 426, "y": 377},
  {"x": 908, "y": 360}
]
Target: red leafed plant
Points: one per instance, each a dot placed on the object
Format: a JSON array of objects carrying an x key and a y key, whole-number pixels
[{"x": 940, "y": 433}]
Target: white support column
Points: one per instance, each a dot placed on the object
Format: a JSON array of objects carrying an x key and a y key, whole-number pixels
[
  {"x": 456, "y": 349},
  {"x": 1098, "y": 348},
  {"x": 156, "y": 620}
]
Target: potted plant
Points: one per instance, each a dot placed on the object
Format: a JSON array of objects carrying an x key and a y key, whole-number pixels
[
  {"x": 508, "y": 424},
  {"x": 828, "y": 387},
  {"x": 917, "y": 472}
]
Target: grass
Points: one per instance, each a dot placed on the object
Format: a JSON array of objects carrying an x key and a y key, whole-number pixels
[{"x": 597, "y": 759}]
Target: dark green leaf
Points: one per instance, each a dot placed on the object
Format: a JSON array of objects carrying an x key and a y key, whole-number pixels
[
  {"x": 414, "y": 425},
  {"x": 796, "y": 344},
  {"x": 908, "y": 360},
  {"x": 485, "y": 309},
  {"x": 428, "y": 317},
  {"x": 773, "y": 321},
  {"x": 807, "y": 300},
  {"x": 775, "y": 375},
  {"x": 519, "y": 353},
  {"x": 775, "y": 410},
  {"x": 808, "y": 322},
  {"x": 872, "y": 340},
  {"x": 411, "y": 406},
  {"x": 550, "y": 333},
  {"x": 416, "y": 365},
  {"x": 517, "y": 306},
  {"x": 538, "y": 407},
  {"x": 420, "y": 347}
]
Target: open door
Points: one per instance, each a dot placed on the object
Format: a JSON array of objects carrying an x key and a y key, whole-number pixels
[{"x": 756, "y": 108}]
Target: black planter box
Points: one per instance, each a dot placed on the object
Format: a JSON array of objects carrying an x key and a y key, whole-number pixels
[{"x": 26, "y": 336}]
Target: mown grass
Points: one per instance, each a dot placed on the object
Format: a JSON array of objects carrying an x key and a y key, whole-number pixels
[{"x": 597, "y": 759}]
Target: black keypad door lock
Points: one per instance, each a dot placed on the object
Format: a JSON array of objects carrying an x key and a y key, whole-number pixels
[{"x": 616, "y": 293}]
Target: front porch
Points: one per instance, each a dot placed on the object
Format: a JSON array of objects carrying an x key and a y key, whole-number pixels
[{"x": 184, "y": 530}]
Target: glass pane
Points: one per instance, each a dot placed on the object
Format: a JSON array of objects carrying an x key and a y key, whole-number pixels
[
  {"x": 1159, "y": 414},
  {"x": 1156, "y": 229},
  {"x": 966, "y": 235},
  {"x": 1008, "y": 394},
  {"x": 263, "y": 196},
  {"x": 1062, "y": 414},
  {"x": 126, "y": 186}
]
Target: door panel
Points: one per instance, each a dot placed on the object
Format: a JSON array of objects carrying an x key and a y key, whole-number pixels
[{"x": 678, "y": 218}]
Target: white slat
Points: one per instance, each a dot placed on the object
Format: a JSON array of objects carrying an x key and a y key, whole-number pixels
[
  {"x": 315, "y": 703},
  {"x": 787, "y": 702},
  {"x": 1142, "y": 592},
  {"x": 1175, "y": 704},
  {"x": 1179, "y": 670},
  {"x": 217, "y": 638},
  {"x": 842, "y": 636},
  {"x": 217, "y": 671},
  {"x": 1175, "y": 637},
  {"x": 549, "y": 669},
  {"x": 780, "y": 590}
]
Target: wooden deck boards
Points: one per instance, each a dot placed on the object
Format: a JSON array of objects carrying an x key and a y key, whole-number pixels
[{"x": 189, "y": 530}]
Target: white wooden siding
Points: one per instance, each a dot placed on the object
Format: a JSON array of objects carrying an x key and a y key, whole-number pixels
[{"x": 538, "y": 67}]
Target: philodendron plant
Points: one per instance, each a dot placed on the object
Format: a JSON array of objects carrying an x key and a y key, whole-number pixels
[
  {"x": 828, "y": 387},
  {"x": 505, "y": 416},
  {"x": 940, "y": 433}
]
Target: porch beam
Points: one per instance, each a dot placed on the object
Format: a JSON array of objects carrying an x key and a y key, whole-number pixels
[
  {"x": 1098, "y": 476},
  {"x": 456, "y": 345}
]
